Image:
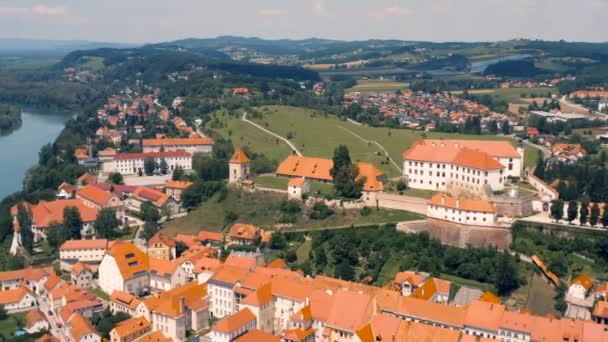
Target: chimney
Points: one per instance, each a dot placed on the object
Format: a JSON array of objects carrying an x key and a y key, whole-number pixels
[
  {"x": 181, "y": 304},
  {"x": 458, "y": 203}
]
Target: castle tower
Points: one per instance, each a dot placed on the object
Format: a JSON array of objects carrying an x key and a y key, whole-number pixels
[{"x": 239, "y": 167}]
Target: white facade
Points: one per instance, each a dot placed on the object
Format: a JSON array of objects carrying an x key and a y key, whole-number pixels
[
  {"x": 438, "y": 176},
  {"x": 296, "y": 191},
  {"x": 25, "y": 303},
  {"x": 238, "y": 172},
  {"x": 132, "y": 166},
  {"x": 93, "y": 255},
  {"x": 223, "y": 299},
  {"x": 111, "y": 279},
  {"x": 577, "y": 291},
  {"x": 460, "y": 215},
  {"x": 190, "y": 148},
  {"x": 217, "y": 336}
]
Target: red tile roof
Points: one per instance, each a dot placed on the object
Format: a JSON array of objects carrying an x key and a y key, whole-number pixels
[
  {"x": 234, "y": 322},
  {"x": 443, "y": 200}
]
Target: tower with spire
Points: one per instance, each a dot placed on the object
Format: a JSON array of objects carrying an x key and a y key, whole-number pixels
[{"x": 239, "y": 166}]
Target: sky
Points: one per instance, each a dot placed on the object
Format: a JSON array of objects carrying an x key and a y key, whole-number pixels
[{"x": 148, "y": 21}]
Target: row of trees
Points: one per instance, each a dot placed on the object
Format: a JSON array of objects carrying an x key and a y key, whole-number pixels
[{"x": 585, "y": 213}]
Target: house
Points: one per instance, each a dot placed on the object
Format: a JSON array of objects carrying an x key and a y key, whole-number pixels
[
  {"x": 297, "y": 188},
  {"x": 408, "y": 281},
  {"x": 35, "y": 322},
  {"x": 600, "y": 313},
  {"x": 260, "y": 302},
  {"x": 222, "y": 284},
  {"x": 433, "y": 290},
  {"x": 45, "y": 213},
  {"x": 80, "y": 330},
  {"x": 190, "y": 145},
  {"x": 568, "y": 153},
  {"x": 97, "y": 198},
  {"x": 461, "y": 210},
  {"x": 133, "y": 163},
  {"x": 33, "y": 278},
  {"x": 580, "y": 287},
  {"x": 163, "y": 202},
  {"x": 244, "y": 234},
  {"x": 130, "y": 329},
  {"x": 232, "y": 327},
  {"x": 156, "y": 336},
  {"x": 124, "y": 268},
  {"x": 176, "y": 188},
  {"x": 18, "y": 299},
  {"x": 469, "y": 165},
  {"x": 121, "y": 301},
  {"x": 66, "y": 191},
  {"x": 256, "y": 335},
  {"x": 87, "y": 251},
  {"x": 85, "y": 179},
  {"x": 239, "y": 167},
  {"x": 166, "y": 274},
  {"x": 240, "y": 91},
  {"x": 107, "y": 154},
  {"x": 82, "y": 275},
  {"x": 161, "y": 246}
]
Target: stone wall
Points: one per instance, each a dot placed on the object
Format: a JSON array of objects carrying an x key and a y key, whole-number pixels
[{"x": 513, "y": 207}]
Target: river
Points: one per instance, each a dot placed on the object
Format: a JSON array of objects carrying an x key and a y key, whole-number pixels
[{"x": 19, "y": 149}]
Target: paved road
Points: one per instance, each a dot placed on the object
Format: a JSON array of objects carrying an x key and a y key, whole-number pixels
[
  {"x": 565, "y": 101},
  {"x": 244, "y": 118},
  {"x": 377, "y": 144},
  {"x": 52, "y": 319}
]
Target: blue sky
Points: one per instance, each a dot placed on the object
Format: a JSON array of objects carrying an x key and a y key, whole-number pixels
[{"x": 436, "y": 20}]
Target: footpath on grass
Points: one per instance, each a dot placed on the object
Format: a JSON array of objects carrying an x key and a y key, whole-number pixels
[
  {"x": 292, "y": 146},
  {"x": 377, "y": 144}
]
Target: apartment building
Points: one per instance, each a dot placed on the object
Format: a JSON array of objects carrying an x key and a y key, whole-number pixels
[
  {"x": 190, "y": 145},
  {"x": 87, "y": 251},
  {"x": 232, "y": 327},
  {"x": 133, "y": 163},
  {"x": 461, "y": 210},
  {"x": 124, "y": 268}
]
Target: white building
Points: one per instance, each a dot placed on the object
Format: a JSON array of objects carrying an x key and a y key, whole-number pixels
[
  {"x": 468, "y": 165},
  {"x": 124, "y": 268},
  {"x": 221, "y": 288},
  {"x": 18, "y": 300},
  {"x": 133, "y": 163},
  {"x": 464, "y": 211},
  {"x": 297, "y": 187},
  {"x": 234, "y": 326},
  {"x": 190, "y": 145},
  {"x": 580, "y": 287},
  {"x": 88, "y": 251},
  {"x": 239, "y": 166}
]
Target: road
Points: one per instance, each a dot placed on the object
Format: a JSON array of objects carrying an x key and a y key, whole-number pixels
[
  {"x": 292, "y": 146},
  {"x": 52, "y": 319},
  {"x": 565, "y": 101},
  {"x": 377, "y": 144}
]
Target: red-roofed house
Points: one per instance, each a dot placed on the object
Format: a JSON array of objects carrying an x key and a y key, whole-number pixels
[
  {"x": 133, "y": 163},
  {"x": 162, "y": 201},
  {"x": 461, "y": 210},
  {"x": 230, "y": 328}
]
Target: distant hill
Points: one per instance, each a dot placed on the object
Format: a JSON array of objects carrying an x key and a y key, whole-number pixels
[{"x": 23, "y": 45}]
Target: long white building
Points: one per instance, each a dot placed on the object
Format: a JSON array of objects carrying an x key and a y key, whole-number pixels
[
  {"x": 468, "y": 164},
  {"x": 465, "y": 211},
  {"x": 133, "y": 163},
  {"x": 190, "y": 145}
]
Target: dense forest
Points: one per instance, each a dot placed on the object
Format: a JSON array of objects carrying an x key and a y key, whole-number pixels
[{"x": 10, "y": 118}]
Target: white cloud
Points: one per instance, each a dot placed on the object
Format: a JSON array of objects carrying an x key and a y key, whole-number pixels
[
  {"x": 39, "y": 9},
  {"x": 272, "y": 12},
  {"x": 319, "y": 7}
]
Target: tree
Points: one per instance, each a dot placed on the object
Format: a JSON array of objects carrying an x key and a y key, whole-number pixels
[
  {"x": 345, "y": 271},
  {"x": 493, "y": 127},
  {"x": 150, "y": 166},
  {"x": 106, "y": 225},
  {"x": 149, "y": 213},
  {"x": 584, "y": 213},
  {"x": 559, "y": 265},
  {"x": 55, "y": 236},
  {"x": 320, "y": 211},
  {"x": 164, "y": 167},
  {"x": 116, "y": 178},
  {"x": 72, "y": 223},
  {"x": 150, "y": 229},
  {"x": 572, "y": 211},
  {"x": 539, "y": 170},
  {"x": 557, "y": 210},
  {"x": 506, "y": 129},
  {"x": 24, "y": 218},
  {"x": 344, "y": 173},
  {"x": 605, "y": 216},
  {"x": 506, "y": 274},
  {"x": 595, "y": 215},
  {"x": 178, "y": 173},
  {"x": 278, "y": 241}
]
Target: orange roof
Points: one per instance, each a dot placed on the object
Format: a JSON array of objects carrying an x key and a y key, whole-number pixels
[
  {"x": 411, "y": 277},
  {"x": 229, "y": 274},
  {"x": 132, "y": 326},
  {"x": 443, "y": 200},
  {"x": 314, "y": 168},
  {"x": 84, "y": 244},
  {"x": 245, "y": 262},
  {"x": 476, "y": 160},
  {"x": 44, "y": 213},
  {"x": 482, "y": 315},
  {"x": 260, "y": 297},
  {"x": 94, "y": 194},
  {"x": 207, "y": 264},
  {"x": 432, "y": 286},
  {"x": 33, "y": 317},
  {"x": 162, "y": 267},
  {"x": 239, "y": 157},
  {"x": 29, "y": 273},
  {"x": 441, "y": 313},
  {"x": 304, "y": 314},
  {"x": 80, "y": 327},
  {"x": 517, "y": 321},
  {"x": 350, "y": 310},
  {"x": 124, "y": 298},
  {"x": 87, "y": 178},
  {"x": 131, "y": 260},
  {"x": 447, "y": 151},
  {"x": 80, "y": 267},
  {"x": 584, "y": 281},
  {"x": 601, "y": 309},
  {"x": 385, "y": 326},
  {"x": 48, "y": 338},
  {"x": 108, "y": 152},
  {"x": 296, "y": 182},
  {"x": 255, "y": 335},
  {"x": 371, "y": 174},
  {"x": 156, "y": 336},
  {"x": 52, "y": 282},
  {"x": 235, "y": 321},
  {"x": 244, "y": 231},
  {"x": 161, "y": 238},
  {"x": 552, "y": 276},
  {"x": 489, "y": 297},
  {"x": 419, "y": 332},
  {"x": 204, "y": 235},
  {"x": 177, "y": 184},
  {"x": 168, "y": 303},
  {"x": 277, "y": 263},
  {"x": 298, "y": 334},
  {"x": 13, "y": 295},
  {"x": 148, "y": 194},
  {"x": 177, "y": 141},
  {"x": 188, "y": 240},
  {"x": 295, "y": 289}
]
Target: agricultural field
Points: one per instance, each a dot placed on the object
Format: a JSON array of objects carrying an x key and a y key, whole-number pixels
[
  {"x": 513, "y": 95},
  {"x": 377, "y": 85},
  {"x": 263, "y": 209}
]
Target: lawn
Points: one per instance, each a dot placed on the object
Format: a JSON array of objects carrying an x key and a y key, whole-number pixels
[
  {"x": 303, "y": 251},
  {"x": 378, "y": 85},
  {"x": 101, "y": 294},
  {"x": 280, "y": 183},
  {"x": 419, "y": 193},
  {"x": 11, "y": 324},
  {"x": 540, "y": 296},
  {"x": 468, "y": 282},
  {"x": 262, "y": 209},
  {"x": 388, "y": 271},
  {"x": 512, "y": 95},
  {"x": 530, "y": 156}
]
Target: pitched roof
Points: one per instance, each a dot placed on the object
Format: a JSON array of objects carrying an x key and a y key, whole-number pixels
[
  {"x": 84, "y": 244},
  {"x": 131, "y": 260},
  {"x": 584, "y": 281},
  {"x": 445, "y": 151},
  {"x": 13, "y": 295},
  {"x": 411, "y": 277},
  {"x": 244, "y": 231},
  {"x": 297, "y": 334},
  {"x": 80, "y": 267},
  {"x": 132, "y": 326},
  {"x": 432, "y": 286},
  {"x": 482, "y": 315},
  {"x": 489, "y": 297},
  {"x": 207, "y": 264},
  {"x": 229, "y": 274},
  {"x": 255, "y": 335},
  {"x": 192, "y": 294},
  {"x": 44, "y": 213},
  {"x": 234, "y": 322},
  {"x": 443, "y": 200},
  {"x": 260, "y": 297},
  {"x": 124, "y": 298},
  {"x": 441, "y": 313},
  {"x": 350, "y": 310},
  {"x": 601, "y": 309},
  {"x": 152, "y": 195},
  {"x": 315, "y": 168},
  {"x": 239, "y": 157},
  {"x": 161, "y": 238},
  {"x": 33, "y": 317},
  {"x": 277, "y": 263},
  {"x": 204, "y": 235},
  {"x": 80, "y": 327},
  {"x": 372, "y": 175},
  {"x": 177, "y": 184},
  {"x": 29, "y": 273},
  {"x": 177, "y": 141},
  {"x": 156, "y": 336},
  {"x": 296, "y": 182},
  {"x": 94, "y": 194},
  {"x": 240, "y": 261}
]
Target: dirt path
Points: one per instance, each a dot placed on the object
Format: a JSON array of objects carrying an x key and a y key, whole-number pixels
[
  {"x": 377, "y": 144},
  {"x": 292, "y": 146}
]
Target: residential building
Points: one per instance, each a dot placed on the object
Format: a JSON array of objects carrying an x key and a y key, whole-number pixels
[
  {"x": 407, "y": 282},
  {"x": 190, "y": 145},
  {"x": 45, "y": 213},
  {"x": 163, "y": 202},
  {"x": 244, "y": 234},
  {"x": 18, "y": 299},
  {"x": 98, "y": 198},
  {"x": 121, "y": 301},
  {"x": 124, "y": 268},
  {"x": 87, "y": 251},
  {"x": 261, "y": 304},
  {"x": 568, "y": 153},
  {"x": 461, "y": 210},
  {"x": 297, "y": 188},
  {"x": 161, "y": 246},
  {"x": 82, "y": 275},
  {"x": 35, "y": 322},
  {"x": 221, "y": 287},
  {"x": 130, "y": 329},
  {"x": 133, "y": 163},
  {"x": 166, "y": 274},
  {"x": 239, "y": 167},
  {"x": 33, "y": 278},
  {"x": 468, "y": 165},
  {"x": 80, "y": 330},
  {"x": 176, "y": 188},
  {"x": 580, "y": 287},
  {"x": 600, "y": 313},
  {"x": 232, "y": 327},
  {"x": 256, "y": 335}
]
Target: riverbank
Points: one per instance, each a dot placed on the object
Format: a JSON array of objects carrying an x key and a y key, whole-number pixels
[{"x": 10, "y": 119}]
